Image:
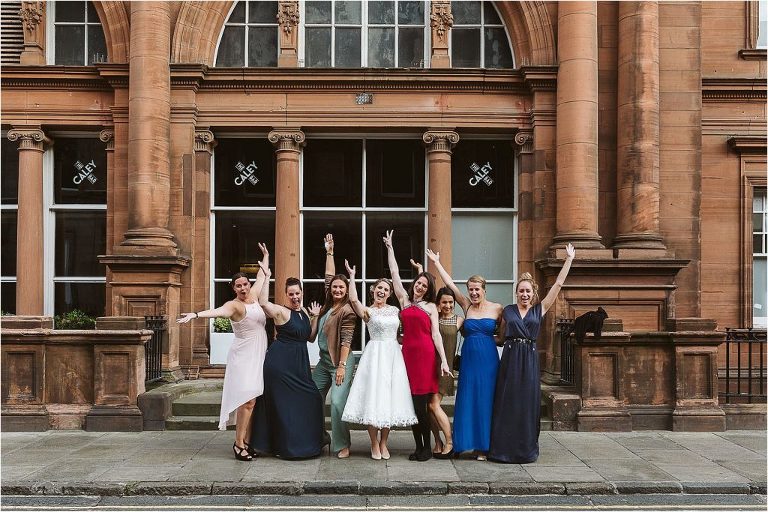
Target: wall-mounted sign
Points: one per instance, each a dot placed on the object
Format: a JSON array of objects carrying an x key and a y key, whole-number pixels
[
  {"x": 364, "y": 98},
  {"x": 245, "y": 173},
  {"x": 85, "y": 172},
  {"x": 480, "y": 174}
]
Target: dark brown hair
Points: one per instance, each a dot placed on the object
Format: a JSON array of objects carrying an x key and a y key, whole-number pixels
[
  {"x": 328, "y": 304},
  {"x": 429, "y": 295},
  {"x": 238, "y": 276},
  {"x": 292, "y": 281}
]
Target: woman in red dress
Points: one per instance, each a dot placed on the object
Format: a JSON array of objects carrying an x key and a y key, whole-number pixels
[{"x": 421, "y": 339}]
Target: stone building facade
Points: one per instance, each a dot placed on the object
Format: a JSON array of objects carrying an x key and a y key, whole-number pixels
[{"x": 149, "y": 146}]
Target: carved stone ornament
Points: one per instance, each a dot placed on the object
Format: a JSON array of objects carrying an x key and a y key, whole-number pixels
[
  {"x": 107, "y": 136},
  {"x": 204, "y": 141},
  {"x": 524, "y": 139},
  {"x": 31, "y": 14},
  {"x": 287, "y": 140},
  {"x": 29, "y": 138},
  {"x": 288, "y": 15},
  {"x": 441, "y": 19},
  {"x": 440, "y": 140}
]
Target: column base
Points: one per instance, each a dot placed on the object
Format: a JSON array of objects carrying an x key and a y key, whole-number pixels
[
  {"x": 695, "y": 419},
  {"x": 148, "y": 237},
  {"x": 114, "y": 419},
  {"x": 604, "y": 420},
  {"x": 639, "y": 241},
  {"x": 25, "y": 418},
  {"x": 579, "y": 239}
]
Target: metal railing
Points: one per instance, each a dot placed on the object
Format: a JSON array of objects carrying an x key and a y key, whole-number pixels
[
  {"x": 567, "y": 350},
  {"x": 153, "y": 350},
  {"x": 746, "y": 379}
]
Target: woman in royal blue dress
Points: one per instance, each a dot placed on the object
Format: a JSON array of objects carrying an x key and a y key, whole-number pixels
[
  {"x": 479, "y": 364},
  {"x": 517, "y": 404}
]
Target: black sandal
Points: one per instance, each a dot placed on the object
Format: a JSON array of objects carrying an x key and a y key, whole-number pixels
[
  {"x": 239, "y": 453},
  {"x": 251, "y": 450}
]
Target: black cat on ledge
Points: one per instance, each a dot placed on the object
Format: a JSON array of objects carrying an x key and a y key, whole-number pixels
[{"x": 591, "y": 321}]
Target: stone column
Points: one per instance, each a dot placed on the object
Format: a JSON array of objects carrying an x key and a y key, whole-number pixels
[
  {"x": 287, "y": 252},
  {"x": 288, "y": 21},
  {"x": 149, "y": 113},
  {"x": 441, "y": 21},
  {"x": 577, "y": 111},
  {"x": 637, "y": 143},
  {"x": 439, "y": 144},
  {"x": 29, "y": 245},
  {"x": 32, "y": 15}
]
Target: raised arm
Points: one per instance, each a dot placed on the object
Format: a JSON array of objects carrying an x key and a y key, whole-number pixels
[
  {"x": 330, "y": 265},
  {"x": 358, "y": 308},
  {"x": 437, "y": 339},
  {"x": 552, "y": 295},
  {"x": 463, "y": 301},
  {"x": 227, "y": 310},
  {"x": 276, "y": 312},
  {"x": 314, "y": 318},
  {"x": 397, "y": 283},
  {"x": 260, "y": 276}
]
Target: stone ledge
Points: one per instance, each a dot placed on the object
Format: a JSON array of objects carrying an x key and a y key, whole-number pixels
[
  {"x": 93, "y": 489},
  {"x": 649, "y": 487},
  {"x": 757, "y": 487},
  {"x": 168, "y": 489},
  {"x": 257, "y": 488},
  {"x": 403, "y": 488},
  {"x": 715, "y": 488},
  {"x": 581, "y": 488},
  {"x": 525, "y": 488},
  {"x": 468, "y": 488},
  {"x": 332, "y": 487}
]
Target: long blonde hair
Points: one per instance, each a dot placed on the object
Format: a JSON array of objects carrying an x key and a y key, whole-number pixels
[{"x": 525, "y": 276}]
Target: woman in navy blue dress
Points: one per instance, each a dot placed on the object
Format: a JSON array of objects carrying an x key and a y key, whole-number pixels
[
  {"x": 517, "y": 403},
  {"x": 479, "y": 364},
  {"x": 288, "y": 418}
]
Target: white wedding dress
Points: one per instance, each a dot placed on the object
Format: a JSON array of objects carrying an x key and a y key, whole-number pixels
[{"x": 380, "y": 395}]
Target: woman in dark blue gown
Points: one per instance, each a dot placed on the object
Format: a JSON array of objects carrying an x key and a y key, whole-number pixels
[
  {"x": 517, "y": 402},
  {"x": 288, "y": 418}
]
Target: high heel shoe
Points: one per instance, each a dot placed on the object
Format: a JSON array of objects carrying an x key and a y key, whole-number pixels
[
  {"x": 384, "y": 453},
  {"x": 241, "y": 453},
  {"x": 251, "y": 450},
  {"x": 446, "y": 455}
]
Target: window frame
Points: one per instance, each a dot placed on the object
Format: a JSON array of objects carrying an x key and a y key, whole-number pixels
[
  {"x": 9, "y": 207},
  {"x": 761, "y": 252},
  {"x": 482, "y": 26},
  {"x": 50, "y": 34},
  {"x": 247, "y": 26}
]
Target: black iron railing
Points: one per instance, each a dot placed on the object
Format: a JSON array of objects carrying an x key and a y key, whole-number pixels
[
  {"x": 567, "y": 350},
  {"x": 153, "y": 350},
  {"x": 745, "y": 372}
]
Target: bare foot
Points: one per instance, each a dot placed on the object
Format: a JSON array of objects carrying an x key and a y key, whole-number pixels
[
  {"x": 384, "y": 451},
  {"x": 343, "y": 453}
]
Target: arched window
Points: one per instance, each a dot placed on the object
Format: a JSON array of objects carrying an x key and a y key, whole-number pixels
[
  {"x": 353, "y": 34},
  {"x": 250, "y": 36},
  {"x": 478, "y": 37},
  {"x": 78, "y": 37}
]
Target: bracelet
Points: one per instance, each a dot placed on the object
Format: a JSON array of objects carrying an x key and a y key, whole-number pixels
[
  {"x": 197, "y": 315},
  {"x": 343, "y": 363},
  {"x": 329, "y": 254}
]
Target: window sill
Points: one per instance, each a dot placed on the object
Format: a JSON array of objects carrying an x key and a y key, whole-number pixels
[{"x": 753, "y": 54}]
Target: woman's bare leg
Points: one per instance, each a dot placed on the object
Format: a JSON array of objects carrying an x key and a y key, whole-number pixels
[
  {"x": 436, "y": 399},
  {"x": 244, "y": 415},
  {"x": 383, "y": 443},
  {"x": 443, "y": 423}
]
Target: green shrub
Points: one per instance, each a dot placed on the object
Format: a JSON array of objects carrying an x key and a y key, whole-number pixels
[
  {"x": 74, "y": 319},
  {"x": 222, "y": 325}
]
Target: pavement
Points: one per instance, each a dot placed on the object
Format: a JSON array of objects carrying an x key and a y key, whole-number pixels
[{"x": 201, "y": 463}]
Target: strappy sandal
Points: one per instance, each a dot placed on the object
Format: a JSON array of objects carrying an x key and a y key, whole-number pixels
[
  {"x": 251, "y": 450},
  {"x": 241, "y": 453}
]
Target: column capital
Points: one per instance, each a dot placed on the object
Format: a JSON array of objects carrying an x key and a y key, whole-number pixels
[
  {"x": 204, "y": 141},
  {"x": 287, "y": 139},
  {"x": 29, "y": 138},
  {"x": 524, "y": 139},
  {"x": 107, "y": 136},
  {"x": 440, "y": 140}
]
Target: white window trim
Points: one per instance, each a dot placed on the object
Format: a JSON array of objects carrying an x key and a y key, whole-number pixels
[
  {"x": 50, "y": 33},
  {"x": 482, "y": 25},
  {"x": 246, "y": 24},
  {"x": 760, "y": 253}
]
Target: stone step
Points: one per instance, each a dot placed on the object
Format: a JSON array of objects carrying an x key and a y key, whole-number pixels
[{"x": 193, "y": 423}]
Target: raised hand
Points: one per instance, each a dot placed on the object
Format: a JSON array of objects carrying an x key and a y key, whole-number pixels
[
  {"x": 264, "y": 257},
  {"x": 186, "y": 317},
  {"x": 388, "y": 238},
  {"x": 350, "y": 270},
  {"x": 418, "y": 266},
  {"x": 570, "y": 251},
  {"x": 314, "y": 308},
  {"x": 328, "y": 243},
  {"x": 433, "y": 256}
]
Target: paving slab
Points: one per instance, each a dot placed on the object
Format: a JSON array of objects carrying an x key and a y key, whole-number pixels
[
  {"x": 747, "y": 440},
  {"x": 201, "y": 470},
  {"x": 566, "y": 474},
  {"x": 700, "y": 473},
  {"x": 272, "y": 469},
  {"x": 755, "y": 470},
  {"x": 138, "y": 473},
  {"x": 622, "y": 469},
  {"x": 353, "y": 468},
  {"x": 478, "y": 471}
]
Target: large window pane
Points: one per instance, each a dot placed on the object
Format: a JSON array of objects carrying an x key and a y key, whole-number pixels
[
  {"x": 411, "y": 48},
  {"x": 237, "y": 237},
  {"x": 8, "y": 297},
  {"x": 231, "y": 48},
  {"x": 466, "y": 47},
  {"x": 262, "y": 12},
  {"x": 80, "y": 238},
  {"x": 317, "y": 12},
  {"x": 491, "y": 17},
  {"x": 497, "y": 54},
  {"x": 348, "y": 12},
  {"x": 348, "y": 47},
  {"x": 9, "y": 173},
  {"x": 333, "y": 173},
  {"x": 244, "y": 173},
  {"x": 466, "y": 13},
  {"x": 381, "y": 47},
  {"x": 347, "y": 233},
  {"x": 759, "y": 284},
  {"x": 70, "y": 45},
  {"x": 483, "y": 244},
  {"x": 262, "y": 46},
  {"x": 318, "y": 51},
  {"x": 381, "y": 12},
  {"x": 70, "y": 11},
  {"x": 395, "y": 173},
  {"x": 97, "y": 46},
  {"x": 8, "y": 219},
  {"x": 80, "y": 171},
  {"x": 410, "y": 13},
  {"x": 482, "y": 174},
  {"x": 408, "y": 240},
  {"x": 238, "y": 13},
  {"x": 93, "y": 16},
  {"x": 87, "y": 297}
]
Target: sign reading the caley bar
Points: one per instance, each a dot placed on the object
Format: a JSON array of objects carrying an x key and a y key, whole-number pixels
[
  {"x": 85, "y": 172},
  {"x": 246, "y": 173},
  {"x": 480, "y": 174}
]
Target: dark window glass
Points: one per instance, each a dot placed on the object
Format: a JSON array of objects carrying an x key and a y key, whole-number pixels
[
  {"x": 80, "y": 237},
  {"x": 244, "y": 173},
  {"x": 482, "y": 174},
  {"x": 237, "y": 237},
  {"x": 262, "y": 46},
  {"x": 410, "y": 13},
  {"x": 348, "y": 12},
  {"x": 490, "y": 14},
  {"x": 262, "y": 12},
  {"x": 70, "y": 45},
  {"x": 408, "y": 240},
  {"x": 381, "y": 47},
  {"x": 318, "y": 51},
  {"x": 238, "y": 13},
  {"x": 497, "y": 54},
  {"x": 87, "y": 297},
  {"x": 348, "y": 47},
  {"x": 8, "y": 243},
  {"x": 80, "y": 171},
  {"x": 93, "y": 16},
  {"x": 411, "y": 48},
  {"x": 333, "y": 173},
  {"x": 97, "y": 46},
  {"x": 395, "y": 173},
  {"x": 231, "y": 48},
  {"x": 8, "y": 297},
  {"x": 346, "y": 229},
  {"x": 70, "y": 11},
  {"x": 466, "y": 47},
  {"x": 317, "y": 12},
  {"x": 465, "y": 13},
  {"x": 381, "y": 12},
  {"x": 9, "y": 173}
]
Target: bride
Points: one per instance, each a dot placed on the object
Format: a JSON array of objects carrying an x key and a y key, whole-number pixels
[{"x": 380, "y": 397}]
